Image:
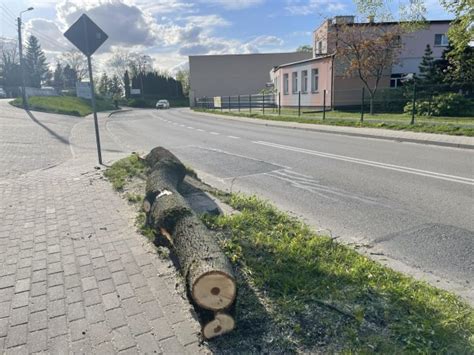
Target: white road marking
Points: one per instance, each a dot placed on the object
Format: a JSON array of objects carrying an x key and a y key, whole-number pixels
[
  {"x": 190, "y": 127},
  {"x": 403, "y": 169},
  {"x": 201, "y": 130},
  {"x": 215, "y": 133},
  {"x": 233, "y": 137}
]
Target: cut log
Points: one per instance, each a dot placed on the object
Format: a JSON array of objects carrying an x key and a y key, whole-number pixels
[
  {"x": 223, "y": 323},
  {"x": 208, "y": 273}
]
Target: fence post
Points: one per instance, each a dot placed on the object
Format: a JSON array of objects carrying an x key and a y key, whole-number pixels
[
  {"x": 362, "y": 105},
  {"x": 263, "y": 104},
  {"x": 413, "y": 104},
  {"x": 229, "y": 103},
  {"x": 250, "y": 103},
  {"x": 299, "y": 103},
  {"x": 238, "y": 100},
  {"x": 324, "y": 104},
  {"x": 279, "y": 103},
  {"x": 430, "y": 101}
]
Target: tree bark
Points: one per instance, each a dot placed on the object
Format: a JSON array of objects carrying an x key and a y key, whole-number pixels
[{"x": 208, "y": 273}]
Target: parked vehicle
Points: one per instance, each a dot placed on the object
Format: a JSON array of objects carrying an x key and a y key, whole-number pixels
[
  {"x": 162, "y": 104},
  {"x": 3, "y": 94}
]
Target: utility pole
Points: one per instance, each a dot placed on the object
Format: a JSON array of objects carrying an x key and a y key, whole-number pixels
[{"x": 22, "y": 67}]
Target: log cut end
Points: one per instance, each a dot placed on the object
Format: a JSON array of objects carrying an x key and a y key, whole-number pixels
[
  {"x": 223, "y": 323},
  {"x": 214, "y": 290}
]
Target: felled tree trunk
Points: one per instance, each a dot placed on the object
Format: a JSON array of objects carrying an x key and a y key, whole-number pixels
[{"x": 208, "y": 273}]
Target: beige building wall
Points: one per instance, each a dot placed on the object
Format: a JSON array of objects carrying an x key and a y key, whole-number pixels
[
  {"x": 310, "y": 98},
  {"x": 236, "y": 74},
  {"x": 414, "y": 45}
]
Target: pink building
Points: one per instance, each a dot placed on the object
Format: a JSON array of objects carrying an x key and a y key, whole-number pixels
[{"x": 307, "y": 80}]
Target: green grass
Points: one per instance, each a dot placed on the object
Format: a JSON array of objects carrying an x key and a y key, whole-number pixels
[
  {"x": 123, "y": 170},
  {"x": 327, "y": 298},
  {"x": 66, "y": 105},
  {"x": 458, "y": 126}
]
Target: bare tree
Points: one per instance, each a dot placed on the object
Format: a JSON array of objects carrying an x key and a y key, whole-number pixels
[
  {"x": 368, "y": 51},
  {"x": 77, "y": 61},
  {"x": 133, "y": 62}
]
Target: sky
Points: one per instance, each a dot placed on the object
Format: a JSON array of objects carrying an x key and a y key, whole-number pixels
[{"x": 171, "y": 30}]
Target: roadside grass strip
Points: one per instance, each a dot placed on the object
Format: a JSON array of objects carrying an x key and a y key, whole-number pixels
[
  {"x": 66, "y": 105},
  {"x": 325, "y": 297},
  {"x": 123, "y": 170},
  {"x": 399, "y": 122}
]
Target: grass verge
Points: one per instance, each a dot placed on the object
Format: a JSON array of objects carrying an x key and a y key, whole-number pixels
[
  {"x": 392, "y": 121},
  {"x": 326, "y": 297},
  {"x": 123, "y": 170},
  {"x": 66, "y": 105}
]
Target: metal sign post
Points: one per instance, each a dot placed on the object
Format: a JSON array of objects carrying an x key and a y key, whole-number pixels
[{"x": 88, "y": 37}]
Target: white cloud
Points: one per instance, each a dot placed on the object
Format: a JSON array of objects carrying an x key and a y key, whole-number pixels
[
  {"x": 234, "y": 4},
  {"x": 147, "y": 26},
  {"x": 309, "y": 7}
]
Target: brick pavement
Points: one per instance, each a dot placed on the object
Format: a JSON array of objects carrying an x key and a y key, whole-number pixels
[{"x": 75, "y": 276}]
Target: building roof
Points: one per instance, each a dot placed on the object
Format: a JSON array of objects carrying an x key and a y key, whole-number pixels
[
  {"x": 303, "y": 61},
  {"x": 242, "y": 54}
]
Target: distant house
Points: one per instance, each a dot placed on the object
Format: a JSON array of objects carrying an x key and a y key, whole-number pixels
[
  {"x": 324, "y": 72},
  {"x": 234, "y": 74}
]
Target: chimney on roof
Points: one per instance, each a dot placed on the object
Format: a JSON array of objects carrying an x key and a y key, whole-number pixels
[
  {"x": 371, "y": 19},
  {"x": 343, "y": 20}
]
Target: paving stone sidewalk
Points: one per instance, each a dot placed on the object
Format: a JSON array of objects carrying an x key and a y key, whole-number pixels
[{"x": 75, "y": 276}]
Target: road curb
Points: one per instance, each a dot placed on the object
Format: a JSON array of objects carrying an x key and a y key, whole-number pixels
[
  {"x": 119, "y": 111},
  {"x": 353, "y": 134}
]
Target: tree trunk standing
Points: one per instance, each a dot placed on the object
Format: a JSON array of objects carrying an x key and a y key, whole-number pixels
[
  {"x": 209, "y": 276},
  {"x": 371, "y": 104}
]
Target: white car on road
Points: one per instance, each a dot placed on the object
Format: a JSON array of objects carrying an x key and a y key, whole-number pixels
[{"x": 162, "y": 104}]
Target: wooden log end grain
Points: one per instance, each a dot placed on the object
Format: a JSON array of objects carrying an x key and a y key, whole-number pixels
[{"x": 222, "y": 324}]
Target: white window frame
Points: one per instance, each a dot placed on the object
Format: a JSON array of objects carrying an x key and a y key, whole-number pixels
[
  {"x": 294, "y": 82},
  {"x": 304, "y": 81},
  {"x": 320, "y": 47},
  {"x": 286, "y": 84},
  {"x": 314, "y": 80},
  {"x": 444, "y": 42}
]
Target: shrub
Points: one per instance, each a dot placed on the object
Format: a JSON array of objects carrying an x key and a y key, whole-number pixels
[{"x": 448, "y": 104}]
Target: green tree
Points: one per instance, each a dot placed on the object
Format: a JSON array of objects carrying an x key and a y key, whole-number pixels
[
  {"x": 126, "y": 84},
  {"x": 183, "y": 77},
  {"x": 305, "y": 48},
  {"x": 70, "y": 77},
  {"x": 460, "y": 69},
  {"x": 115, "y": 88},
  {"x": 104, "y": 85},
  {"x": 429, "y": 70},
  {"x": 36, "y": 67},
  {"x": 58, "y": 77},
  {"x": 10, "y": 75},
  {"x": 461, "y": 31}
]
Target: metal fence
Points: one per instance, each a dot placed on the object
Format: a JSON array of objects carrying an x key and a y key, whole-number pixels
[{"x": 410, "y": 103}]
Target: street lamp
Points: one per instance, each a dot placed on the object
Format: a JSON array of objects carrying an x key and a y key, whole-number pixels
[{"x": 23, "y": 91}]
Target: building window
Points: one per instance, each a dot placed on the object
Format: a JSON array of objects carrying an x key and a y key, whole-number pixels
[
  {"x": 294, "y": 82},
  {"x": 320, "y": 47},
  {"x": 285, "y": 84},
  {"x": 441, "y": 40},
  {"x": 304, "y": 81},
  {"x": 314, "y": 80},
  {"x": 396, "y": 80}
]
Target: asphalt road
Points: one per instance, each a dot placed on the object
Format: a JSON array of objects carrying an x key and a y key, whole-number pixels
[{"x": 412, "y": 203}]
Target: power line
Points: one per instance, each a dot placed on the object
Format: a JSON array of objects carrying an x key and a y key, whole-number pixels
[{"x": 7, "y": 11}]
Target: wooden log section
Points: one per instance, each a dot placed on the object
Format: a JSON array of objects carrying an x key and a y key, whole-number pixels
[
  {"x": 222, "y": 323},
  {"x": 208, "y": 273}
]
